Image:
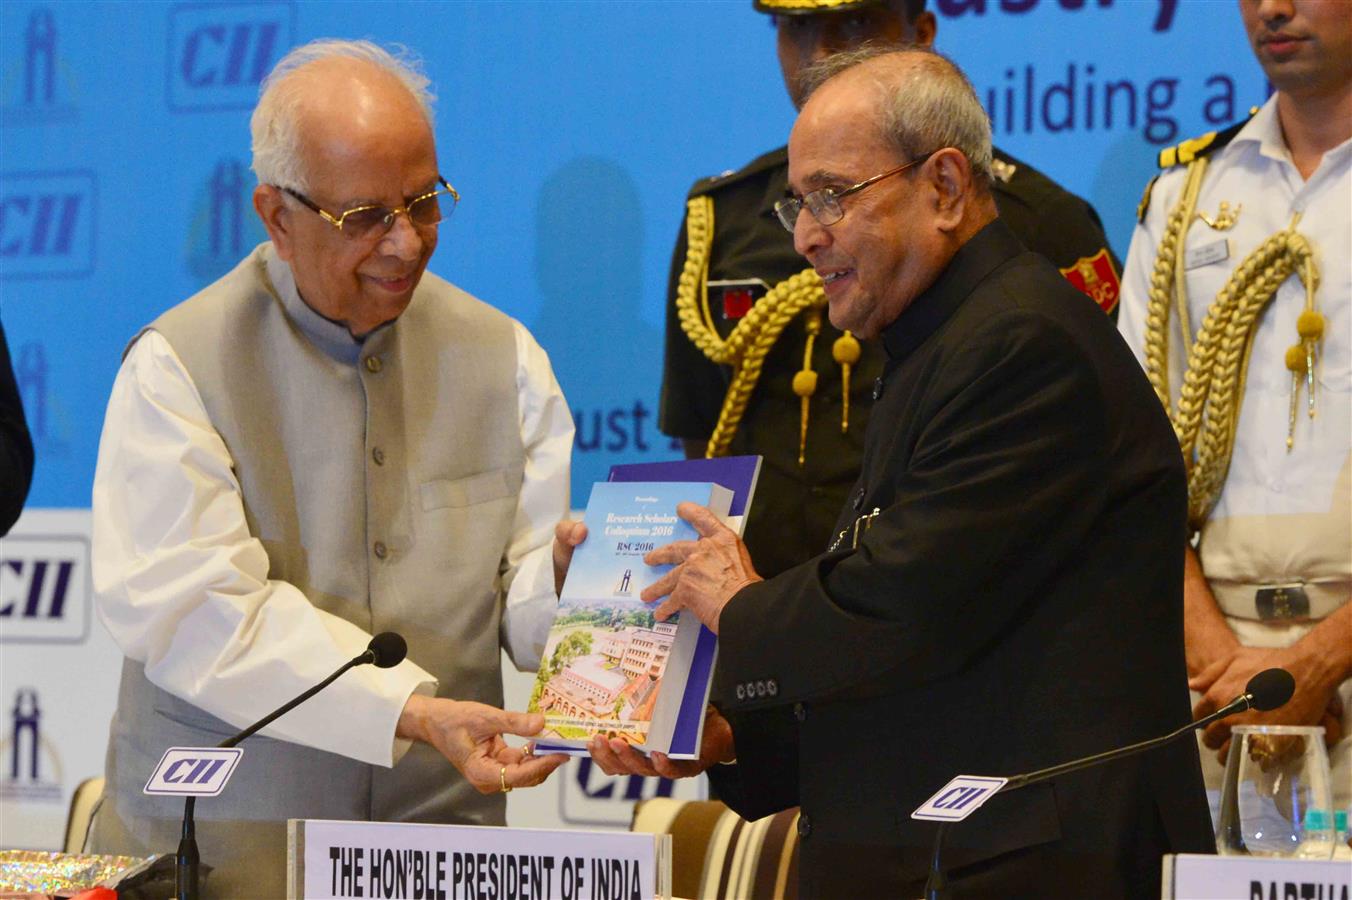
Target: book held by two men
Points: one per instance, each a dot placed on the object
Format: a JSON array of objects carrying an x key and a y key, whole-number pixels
[{"x": 609, "y": 667}]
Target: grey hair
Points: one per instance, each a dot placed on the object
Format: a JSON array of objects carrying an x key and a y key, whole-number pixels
[
  {"x": 274, "y": 125},
  {"x": 930, "y": 106}
]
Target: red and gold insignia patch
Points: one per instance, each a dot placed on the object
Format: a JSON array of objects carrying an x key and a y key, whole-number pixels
[
  {"x": 1096, "y": 277},
  {"x": 737, "y": 302}
]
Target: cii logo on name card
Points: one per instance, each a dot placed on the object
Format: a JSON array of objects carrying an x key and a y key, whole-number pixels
[
  {"x": 45, "y": 594},
  {"x": 47, "y": 224},
  {"x": 37, "y": 83},
  {"x": 193, "y": 771},
  {"x": 219, "y": 53},
  {"x": 959, "y": 798}
]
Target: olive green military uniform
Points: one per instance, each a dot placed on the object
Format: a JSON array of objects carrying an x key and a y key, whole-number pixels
[{"x": 796, "y": 504}]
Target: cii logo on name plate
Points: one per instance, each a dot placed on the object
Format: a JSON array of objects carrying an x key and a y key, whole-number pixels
[
  {"x": 37, "y": 85},
  {"x": 223, "y": 227},
  {"x": 47, "y": 224},
  {"x": 219, "y": 53}
]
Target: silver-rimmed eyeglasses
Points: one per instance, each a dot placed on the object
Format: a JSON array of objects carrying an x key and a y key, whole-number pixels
[
  {"x": 824, "y": 203},
  {"x": 369, "y": 222}
]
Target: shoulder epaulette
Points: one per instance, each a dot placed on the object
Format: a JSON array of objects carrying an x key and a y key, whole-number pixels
[
  {"x": 1188, "y": 152},
  {"x": 1019, "y": 181},
  {"x": 760, "y": 164},
  {"x": 1204, "y": 145},
  {"x": 1144, "y": 205}
]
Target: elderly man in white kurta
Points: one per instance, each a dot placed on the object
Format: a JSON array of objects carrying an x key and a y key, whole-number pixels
[
  {"x": 1238, "y": 298},
  {"x": 325, "y": 444}
]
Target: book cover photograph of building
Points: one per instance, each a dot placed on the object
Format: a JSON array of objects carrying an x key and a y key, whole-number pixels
[{"x": 602, "y": 669}]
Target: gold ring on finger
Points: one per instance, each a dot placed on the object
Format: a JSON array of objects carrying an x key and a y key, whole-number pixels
[{"x": 502, "y": 777}]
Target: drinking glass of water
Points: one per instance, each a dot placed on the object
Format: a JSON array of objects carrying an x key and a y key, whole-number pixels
[{"x": 1277, "y": 798}]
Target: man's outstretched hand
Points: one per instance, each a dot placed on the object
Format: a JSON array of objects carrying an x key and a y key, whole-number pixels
[{"x": 470, "y": 736}]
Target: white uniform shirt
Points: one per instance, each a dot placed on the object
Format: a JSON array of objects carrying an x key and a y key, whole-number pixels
[
  {"x": 183, "y": 586},
  {"x": 1283, "y": 517},
  {"x": 1255, "y": 172}
]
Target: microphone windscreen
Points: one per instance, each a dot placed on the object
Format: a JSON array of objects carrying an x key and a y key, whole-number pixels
[
  {"x": 1270, "y": 688},
  {"x": 388, "y": 648}
]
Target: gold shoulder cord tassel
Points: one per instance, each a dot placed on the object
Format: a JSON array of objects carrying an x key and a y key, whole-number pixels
[
  {"x": 846, "y": 352},
  {"x": 748, "y": 343},
  {"x": 805, "y": 380},
  {"x": 1300, "y": 356},
  {"x": 1212, "y": 391}
]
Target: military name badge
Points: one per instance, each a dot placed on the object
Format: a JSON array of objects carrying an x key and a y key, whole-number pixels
[
  {"x": 1205, "y": 255},
  {"x": 1096, "y": 278},
  {"x": 739, "y": 295}
]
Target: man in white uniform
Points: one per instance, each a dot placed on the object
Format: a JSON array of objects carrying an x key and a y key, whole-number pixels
[
  {"x": 325, "y": 444},
  {"x": 1237, "y": 297}
]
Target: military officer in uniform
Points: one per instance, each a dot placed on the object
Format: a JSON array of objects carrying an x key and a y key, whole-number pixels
[
  {"x": 1237, "y": 298},
  {"x": 751, "y": 364}
]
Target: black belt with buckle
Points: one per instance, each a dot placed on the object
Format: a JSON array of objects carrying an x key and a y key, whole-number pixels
[{"x": 1282, "y": 603}]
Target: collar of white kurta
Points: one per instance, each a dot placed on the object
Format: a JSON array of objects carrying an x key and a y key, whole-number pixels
[{"x": 330, "y": 337}]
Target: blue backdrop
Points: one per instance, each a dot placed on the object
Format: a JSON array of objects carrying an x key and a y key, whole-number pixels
[{"x": 572, "y": 129}]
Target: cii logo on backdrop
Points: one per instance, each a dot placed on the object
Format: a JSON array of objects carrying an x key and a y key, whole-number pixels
[
  {"x": 37, "y": 87},
  {"x": 224, "y": 226},
  {"x": 588, "y": 796},
  {"x": 44, "y": 589},
  {"x": 51, "y": 429},
  {"x": 219, "y": 53},
  {"x": 47, "y": 224},
  {"x": 30, "y": 769}
]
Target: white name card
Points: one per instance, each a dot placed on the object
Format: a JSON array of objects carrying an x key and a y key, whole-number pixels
[
  {"x": 1190, "y": 876},
  {"x": 380, "y": 860},
  {"x": 193, "y": 771},
  {"x": 959, "y": 798}
]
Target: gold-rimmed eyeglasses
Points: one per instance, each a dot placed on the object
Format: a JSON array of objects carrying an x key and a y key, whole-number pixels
[
  {"x": 824, "y": 203},
  {"x": 373, "y": 221}
]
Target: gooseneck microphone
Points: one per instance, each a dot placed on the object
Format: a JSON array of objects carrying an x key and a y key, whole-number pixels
[
  {"x": 385, "y": 651},
  {"x": 1267, "y": 690}
]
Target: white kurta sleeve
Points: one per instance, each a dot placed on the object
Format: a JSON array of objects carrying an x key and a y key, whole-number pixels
[
  {"x": 528, "y": 565},
  {"x": 183, "y": 587}
]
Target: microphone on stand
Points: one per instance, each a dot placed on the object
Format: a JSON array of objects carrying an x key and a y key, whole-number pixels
[
  {"x": 386, "y": 650},
  {"x": 1267, "y": 690}
]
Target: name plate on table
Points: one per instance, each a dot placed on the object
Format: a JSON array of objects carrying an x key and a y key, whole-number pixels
[
  {"x": 1191, "y": 876},
  {"x": 332, "y": 859}
]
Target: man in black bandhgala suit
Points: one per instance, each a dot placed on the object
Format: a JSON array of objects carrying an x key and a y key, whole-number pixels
[{"x": 1003, "y": 591}]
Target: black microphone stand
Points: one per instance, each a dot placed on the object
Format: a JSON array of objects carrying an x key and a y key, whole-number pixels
[
  {"x": 186, "y": 860},
  {"x": 1235, "y": 706},
  {"x": 936, "y": 887}
]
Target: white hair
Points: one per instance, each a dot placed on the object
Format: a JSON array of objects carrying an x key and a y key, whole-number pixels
[
  {"x": 930, "y": 106},
  {"x": 275, "y": 124}
]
